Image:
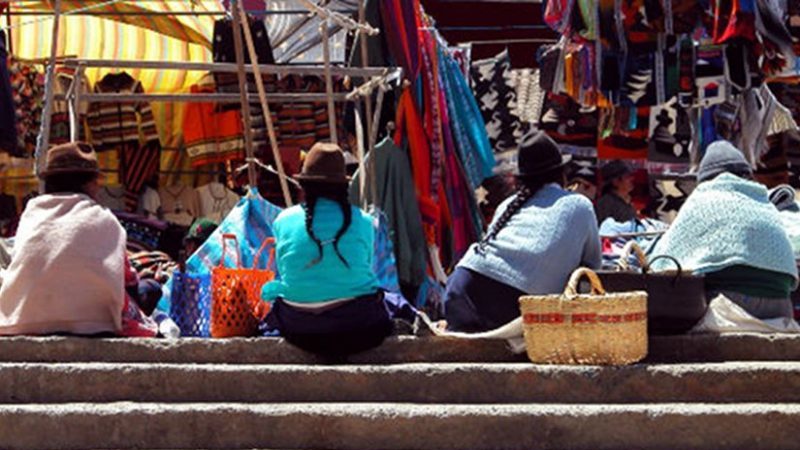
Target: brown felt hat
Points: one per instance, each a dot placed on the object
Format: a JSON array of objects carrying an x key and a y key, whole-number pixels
[
  {"x": 76, "y": 157},
  {"x": 324, "y": 163}
]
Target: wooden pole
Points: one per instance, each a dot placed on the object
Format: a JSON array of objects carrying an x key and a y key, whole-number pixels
[
  {"x": 262, "y": 96},
  {"x": 326, "y": 54},
  {"x": 373, "y": 137},
  {"x": 362, "y": 18},
  {"x": 43, "y": 141},
  {"x": 75, "y": 106},
  {"x": 246, "y": 116}
]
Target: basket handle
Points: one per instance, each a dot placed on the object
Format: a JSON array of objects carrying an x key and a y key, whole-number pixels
[
  {"x": 257, "y": 259},
  {"x": 632, "y": 247},
  {"x": 646, "y": 269},
  {"x": 572, "y": 286},
  {"x": 225, "y": 238}
]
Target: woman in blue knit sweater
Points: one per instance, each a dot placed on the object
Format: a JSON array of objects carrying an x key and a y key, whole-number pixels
[{"x": 537, "y": 238}]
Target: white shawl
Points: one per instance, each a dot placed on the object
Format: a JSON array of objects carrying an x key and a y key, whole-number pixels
[{"x": 68, "y": 269}]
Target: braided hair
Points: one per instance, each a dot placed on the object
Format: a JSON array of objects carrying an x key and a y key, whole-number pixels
[
  {"x": 527, "y": 187},
  {"x": 337, "y": 193}
]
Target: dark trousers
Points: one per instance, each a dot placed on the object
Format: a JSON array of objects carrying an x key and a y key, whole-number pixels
[
  {"x": 474, "y": 303},
  {"x": 351, "y": 327}
]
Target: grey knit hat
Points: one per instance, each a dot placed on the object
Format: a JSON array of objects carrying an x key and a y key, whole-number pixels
[{"x": 722, "y": 156}]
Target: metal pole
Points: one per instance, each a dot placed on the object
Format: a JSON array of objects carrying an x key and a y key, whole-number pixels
[
  {"x": 326, "y": 53},
  {"x": 43, "y": 142},
  {"x": 262, "y": 96},
  {"x": 75, "y": 106},
  {"x": 246, "y": 117}
]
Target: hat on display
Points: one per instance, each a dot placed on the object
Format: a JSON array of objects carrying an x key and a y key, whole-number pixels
[
  {"x": 722, "y": 156},
  {"x": 76, "y": 157},
  {"x": 324, "y": 163},
  {"x": 539, "y": 154}
]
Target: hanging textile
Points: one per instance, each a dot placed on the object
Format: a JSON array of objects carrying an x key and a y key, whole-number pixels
[
  {"x": 130, "y": 128},
  {"x": 491, "y": 79},
  {"x": 60, "y": 121},
  {"x": 395, "y": 197},
  {"x": 211, "y": 135},
  {"x": 8, "y": 120},
  {"x": 27, "y": 88}
]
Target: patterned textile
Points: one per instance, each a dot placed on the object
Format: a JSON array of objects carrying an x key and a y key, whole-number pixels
[
  {"x": 530, "y": 97},
  {"x": 211, "y": 135},
  {"x": 119, "y": 123},
  {"x": 153, "y": 266},
  {"x": 59, "y": 122},
  {"x": 137, "y": 165},
  {"x": 582, "y": 176},
  {"x": 623, "y": 133},
  {"x": 567, "y": 122},
  {"x": 143, "y": 234},
  {"x": 8, "y": 118},
  {"x": 491, "y": 79},
  {"x": 670, "y": 134},
  {"x": 27, "y": 87},
  {"x": 667, "y": 195},
  {"x": 773, "y": 168}
]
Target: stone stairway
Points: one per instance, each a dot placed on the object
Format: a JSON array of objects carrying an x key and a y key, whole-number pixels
[{"x": 698, "y": 392}]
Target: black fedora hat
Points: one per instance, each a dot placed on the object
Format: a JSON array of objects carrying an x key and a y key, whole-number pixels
[{"x": 539, "y": 154}]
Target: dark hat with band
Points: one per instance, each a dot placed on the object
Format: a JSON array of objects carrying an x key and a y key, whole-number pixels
[
  {"x": 539, "y": 154},
  {"x": 324, "y": 163},
  {"x": 614, "y": 170},
  {"x": 76, "y": 157}
]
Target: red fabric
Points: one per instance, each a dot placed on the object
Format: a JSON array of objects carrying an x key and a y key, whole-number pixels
[
  {"x": 410, "y": 127},
  {"x": 134, "y": 322},
  {"x": 210, "y": 135}
]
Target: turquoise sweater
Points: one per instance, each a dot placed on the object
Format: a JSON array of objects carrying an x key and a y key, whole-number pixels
[{"x": 329, "y": 279}]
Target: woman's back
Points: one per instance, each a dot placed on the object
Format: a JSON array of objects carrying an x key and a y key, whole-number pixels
[
  {"x": 554, "y": 232},
  {"x": 67, "y": 274},
  {"x": 308, "y": 278}
]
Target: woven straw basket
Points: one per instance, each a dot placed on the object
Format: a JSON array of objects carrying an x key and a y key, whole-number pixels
[{"x": 596, "y": 328}]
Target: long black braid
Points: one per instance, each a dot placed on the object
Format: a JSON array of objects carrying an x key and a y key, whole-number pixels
[
  {"x": 339, "y": 194},
  {"x": 527, "y": 187}
]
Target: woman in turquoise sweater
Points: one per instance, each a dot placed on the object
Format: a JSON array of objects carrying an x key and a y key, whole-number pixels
[{"x": 327, "y": 299}]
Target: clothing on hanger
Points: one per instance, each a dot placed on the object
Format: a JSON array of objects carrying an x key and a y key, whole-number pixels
[
  {"x": 216, "y": 201},
  {"x": 179, "y": 204},
  {"x": 211, "y": 135},
  {"x": 112, "y": 197}
]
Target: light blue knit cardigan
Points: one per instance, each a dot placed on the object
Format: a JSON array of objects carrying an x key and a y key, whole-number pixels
[{"x": 724, "y": 222}]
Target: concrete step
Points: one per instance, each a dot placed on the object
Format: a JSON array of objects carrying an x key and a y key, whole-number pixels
[
  {"x": 673, "y": 349},
  {"x": 399, "y": 426},
  {"x": 414, "y": 383}
]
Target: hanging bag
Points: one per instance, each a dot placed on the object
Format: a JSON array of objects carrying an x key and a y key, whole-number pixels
[
  {"x": 236, "y": 306},
  {"x": 596, "y": 328},
  {"x": 676, "y": 300},
  {"x": 190, "y": 308}
]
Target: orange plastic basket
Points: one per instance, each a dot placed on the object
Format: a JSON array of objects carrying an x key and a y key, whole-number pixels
[{"x": 236, "y": 306}]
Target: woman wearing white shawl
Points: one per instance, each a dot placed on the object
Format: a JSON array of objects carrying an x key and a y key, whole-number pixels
[
  {"x": 68, "y": 273},
  {"x": 730, "y": 232}
]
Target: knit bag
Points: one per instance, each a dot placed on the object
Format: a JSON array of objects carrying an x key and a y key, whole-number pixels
[
  {"x": 598, "y": 328},
  {"x": 190, "y": 308},
  {"x": 236, "y": 306}
]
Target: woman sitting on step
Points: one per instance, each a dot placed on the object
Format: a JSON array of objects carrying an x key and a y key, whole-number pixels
[
  {"x": 327, "y": 300},
  {"x": 537, "y": 238},
  {"x": 70, "y": 273},
  {"x": 729, "y": 232}
]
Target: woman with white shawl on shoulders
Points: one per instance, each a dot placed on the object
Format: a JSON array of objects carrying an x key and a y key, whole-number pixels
[{"x": 69, "y": 271}]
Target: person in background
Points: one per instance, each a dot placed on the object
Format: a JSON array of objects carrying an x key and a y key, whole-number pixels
[
  {"x": 537, "y": 238},
  {"x": 200, "y": 231},
  {"x": 615, "y": 200},
  {"x": 730, "y": 232},
  {"x": 327, "y": 300},
  {"x": 70, "y": 273}
]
